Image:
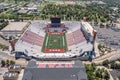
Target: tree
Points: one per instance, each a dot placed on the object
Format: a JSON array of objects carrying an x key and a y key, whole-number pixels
[
  {"x": 12, "y": 62},
  {"x": 102, "y": 74},
  {"x": 2, "y": 63},
  {"x": 105, "y": 63},
  {"x": 98, "y": 73},
  {"x": 7, "y": 62},
  {"x": 93, "y": 65},
  {"x": 113, "y": 65},
  {"x": 106, "y": 75},
  {"x": 90, "y": 72}
]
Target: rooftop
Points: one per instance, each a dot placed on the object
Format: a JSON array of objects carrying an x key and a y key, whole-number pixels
[
  {"x": 18, "y": 26},
  {"x": 14, "y": 66},
  {"x": 60, "y": 71},
  {"x": 10, "y": 75}
]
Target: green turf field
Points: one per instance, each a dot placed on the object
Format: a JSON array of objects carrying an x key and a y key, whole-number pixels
[{"x": 54, "y": 41}]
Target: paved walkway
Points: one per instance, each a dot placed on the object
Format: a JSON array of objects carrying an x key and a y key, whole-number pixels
[{"x": 21, "y": 74}]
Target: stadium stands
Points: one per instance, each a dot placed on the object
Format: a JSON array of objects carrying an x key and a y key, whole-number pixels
[
  {"x": 32, "y": 38},
  {"x": 70, "y": 39},
  {"x": 78, "y": 36},
  {"x": 75, "y": 37}
]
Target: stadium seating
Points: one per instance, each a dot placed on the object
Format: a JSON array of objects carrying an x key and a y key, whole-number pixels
[
  {"x": 32, "y": 38},
  {"x": 78, "y": 36},
  {"x": 75, "y": 37},
  {"x": 70, "y": 39}
]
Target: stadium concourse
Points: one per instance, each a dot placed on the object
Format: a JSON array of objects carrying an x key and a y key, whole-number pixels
[{"x": 66, "y": 40}]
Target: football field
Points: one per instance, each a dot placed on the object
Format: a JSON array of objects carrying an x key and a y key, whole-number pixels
[{"x": 54, "y": 42}]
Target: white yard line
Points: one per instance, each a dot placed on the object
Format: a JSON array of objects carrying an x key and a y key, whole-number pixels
[
  {"x": 46, "y": 41},
  {"x": 63, "y": 41}
]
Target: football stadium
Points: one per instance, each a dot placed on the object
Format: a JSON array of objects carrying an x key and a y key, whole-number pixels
[{"x": 54, "y": 39}]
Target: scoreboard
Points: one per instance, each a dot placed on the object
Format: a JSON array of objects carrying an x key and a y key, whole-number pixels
[{"x": 55, "y": 20}]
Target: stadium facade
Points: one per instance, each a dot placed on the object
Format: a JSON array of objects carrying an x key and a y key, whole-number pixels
[{"x": 56, "y": 40}]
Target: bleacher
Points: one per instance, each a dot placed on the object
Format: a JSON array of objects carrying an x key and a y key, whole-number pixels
[
  {"x": 32, "y": 38},
  {"x": 78, "y": 36},
  {"x": 75, "y": 37},
  {"x": 70, "y": 39}
]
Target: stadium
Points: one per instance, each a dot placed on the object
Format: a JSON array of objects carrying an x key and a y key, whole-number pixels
[{"x": 68, "y": 40}]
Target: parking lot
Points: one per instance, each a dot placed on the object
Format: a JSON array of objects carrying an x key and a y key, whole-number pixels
[{"x": 108, "y": 37}]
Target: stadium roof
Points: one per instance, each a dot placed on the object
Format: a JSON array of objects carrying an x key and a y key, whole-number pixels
[
  {"x": 15, "y": 26},
  {"x": 55, "y": 71}
]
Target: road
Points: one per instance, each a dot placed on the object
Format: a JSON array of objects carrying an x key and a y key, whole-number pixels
[{"x": 110, "y": 56}]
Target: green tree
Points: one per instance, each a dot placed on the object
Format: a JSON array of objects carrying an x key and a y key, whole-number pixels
[
  {"x": 106, "y": 75},
  {"x": 105, "y": 63},
  {"x": 7, "y": 62},
  {"x": 12, "y": 62},
  {"x": 3, "y": 63}
]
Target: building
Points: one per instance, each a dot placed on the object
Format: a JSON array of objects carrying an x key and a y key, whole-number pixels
[
  {"x": 29, "y": 9},
  {"x": 10, "y": 76},
  {"x": 14, "y": 68},
  {"x": 14, "y": 29},
  {"x": 69, "y": 70}
]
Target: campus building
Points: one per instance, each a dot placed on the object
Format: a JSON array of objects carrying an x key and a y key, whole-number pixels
[
  {"x": 14, "y": 29},
  {"x": 70, "y": 70}
]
